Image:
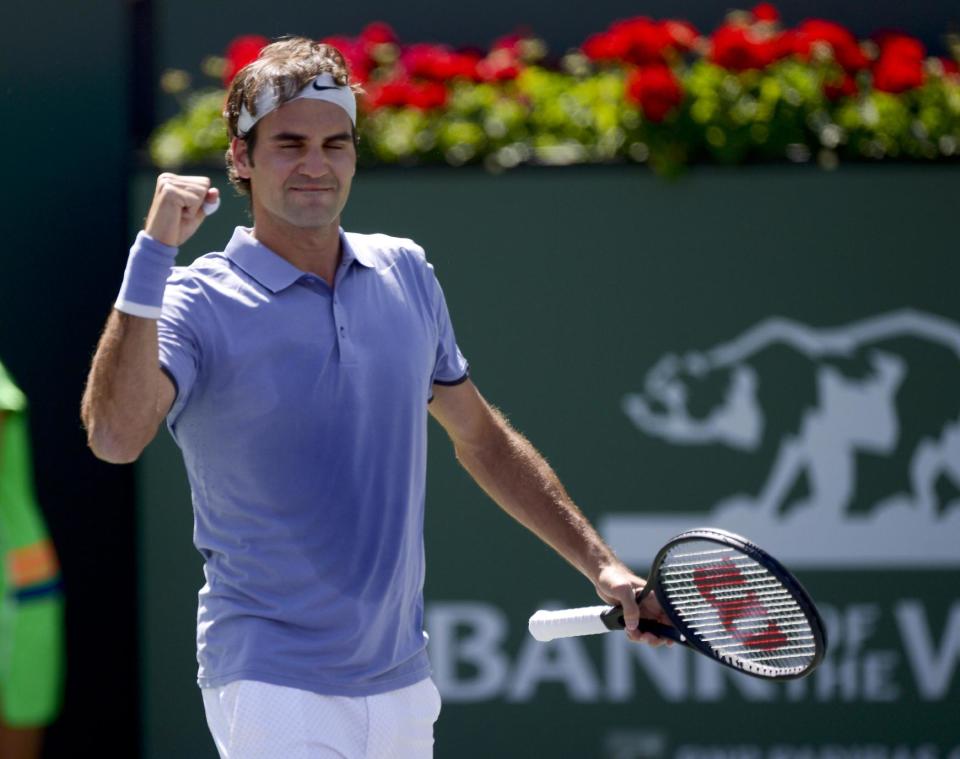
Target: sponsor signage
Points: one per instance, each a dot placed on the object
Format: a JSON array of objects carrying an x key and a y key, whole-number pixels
[
  {"x": 818, "y": 447},
  {"x": 771, "y": 352},
  {"x": 882, "y": 559}
]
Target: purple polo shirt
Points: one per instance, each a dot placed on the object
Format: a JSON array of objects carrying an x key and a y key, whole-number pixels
[{"x": 301, "y": 412}]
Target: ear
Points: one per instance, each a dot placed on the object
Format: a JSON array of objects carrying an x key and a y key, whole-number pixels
[{"x": 241, "y": 157}]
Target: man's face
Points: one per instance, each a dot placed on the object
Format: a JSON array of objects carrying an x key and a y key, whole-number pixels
[{"x": 302, "y": 165}]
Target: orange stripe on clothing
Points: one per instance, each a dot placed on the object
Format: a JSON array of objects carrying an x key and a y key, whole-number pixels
[{"x": 33, "y": 563}]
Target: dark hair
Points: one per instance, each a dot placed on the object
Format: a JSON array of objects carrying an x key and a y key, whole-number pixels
[{"x": 286, "y": 65}]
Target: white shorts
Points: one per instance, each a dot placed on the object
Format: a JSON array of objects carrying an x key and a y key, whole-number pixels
[{"x": 254, "y": 720}]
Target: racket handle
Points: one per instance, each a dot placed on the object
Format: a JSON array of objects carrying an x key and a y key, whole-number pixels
[
  {"x": 661, "y": 630},
  {"x": 587, "y": 620},
  {"x": 613, "y": 619}
]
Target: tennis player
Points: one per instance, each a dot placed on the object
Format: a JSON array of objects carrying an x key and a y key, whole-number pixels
[{"x": 296, "y": 370}]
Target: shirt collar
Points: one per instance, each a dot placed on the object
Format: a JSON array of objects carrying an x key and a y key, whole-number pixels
[
  {"x": 273, "y": 271},
  {"x": 353, "y": 253}
]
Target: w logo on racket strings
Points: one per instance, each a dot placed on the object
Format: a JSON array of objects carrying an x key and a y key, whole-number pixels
[
  {"x": 855, "y": 428},
  {"x": 714, "y": 585}
]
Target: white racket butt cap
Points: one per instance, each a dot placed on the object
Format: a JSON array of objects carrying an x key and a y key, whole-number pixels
[
  {"x": 210, "y": 208},
  {"x": 548, "y": 625}
]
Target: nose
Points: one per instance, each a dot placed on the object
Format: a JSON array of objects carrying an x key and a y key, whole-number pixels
[{"x": 315, "y": 163}]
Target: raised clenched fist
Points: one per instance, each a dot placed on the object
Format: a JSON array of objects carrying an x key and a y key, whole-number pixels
[{"x": 180, "y": 204}]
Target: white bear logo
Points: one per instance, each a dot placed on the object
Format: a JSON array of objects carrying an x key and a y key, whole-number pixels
[{"x": 824, "y": 406}]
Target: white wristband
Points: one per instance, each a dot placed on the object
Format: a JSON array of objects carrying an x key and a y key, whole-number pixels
[{"x": 145, "y": 278}]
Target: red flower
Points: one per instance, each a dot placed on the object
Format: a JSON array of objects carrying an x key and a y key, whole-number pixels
[
  {"x": 846, "y": 50},
  {"x": 899, "y": 45},
  {"x": 387, "y": 94},
  {"x": 510, "y": 42},
  {"x": 438, "y": 63},
  {"x": 240, "y": 52},
  {"x": 605, "y": 46},
  {"x": 464, "y": 65},
  {"x": 683, "y": 34},
  {"x": 641, "y": 41},
  {"x": 655, "y": 89},
  {"x": 766, "y": 12},
  {"x": 401, "y": 92},
  {"x": 427, "y": 95},
  {"x": 646, "y": 40},
  {"x": 354, "y": 53},
  {"x": 891, "y": 74},
  {"x": 787, "y": 43},
  {"x": 950, "y": 67},
  {"x": 900, "y": 64},
  {"x": 500, "y": 66},
  {"x": 739, "y": 48},
  {"x": 847, "y": 87},
  {"x": 378, "y": 33}
]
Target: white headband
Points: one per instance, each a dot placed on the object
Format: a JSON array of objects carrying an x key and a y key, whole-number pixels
[{"x": 324, "y": 87}]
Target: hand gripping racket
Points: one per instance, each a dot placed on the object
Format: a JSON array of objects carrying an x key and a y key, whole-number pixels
[{"x": 727, "y": 599}]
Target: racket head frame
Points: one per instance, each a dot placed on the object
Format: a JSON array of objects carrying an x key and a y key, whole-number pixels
[{"x": 768, "y": 562}]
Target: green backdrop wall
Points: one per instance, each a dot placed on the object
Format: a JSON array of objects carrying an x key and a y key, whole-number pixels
[{"x": 815, "y": 327}]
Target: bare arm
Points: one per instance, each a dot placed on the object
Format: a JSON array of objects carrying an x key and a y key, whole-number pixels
[
  {"x": 127, "y": 394},
  {"x": 516, "y": 476}
]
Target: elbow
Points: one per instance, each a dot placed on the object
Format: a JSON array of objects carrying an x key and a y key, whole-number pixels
[
  {"x": 111, "y": 446},
  {"x": 115, "y": 455}
]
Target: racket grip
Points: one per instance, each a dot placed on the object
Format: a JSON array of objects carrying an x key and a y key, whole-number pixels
[
  {"x": 587, "y": 620},
  {"x": 661, "y": 630},
  {"x": 613, "y": 619}
]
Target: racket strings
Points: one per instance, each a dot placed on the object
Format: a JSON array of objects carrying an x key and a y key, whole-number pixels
[
  {"x": 781, "y": 651},
  {"x": 737, "y": 607},
  {"x": 798, "y": 622},
  {"x": 693, "y": 614},
  {"x": 771, "y": 588}
]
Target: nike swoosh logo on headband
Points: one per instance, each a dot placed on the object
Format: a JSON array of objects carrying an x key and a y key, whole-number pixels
[{"x": 324, "y": 87}]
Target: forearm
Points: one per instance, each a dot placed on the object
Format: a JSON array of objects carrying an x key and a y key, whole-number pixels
[
  {"x": 121, "y": 406},
  {"x": 126, "y": 394},
  {"x": 522, "y": 483}
]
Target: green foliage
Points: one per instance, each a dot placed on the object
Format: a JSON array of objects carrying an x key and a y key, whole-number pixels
[
  {"x": 560, "y": 117},
  {"x": 921, "y": 124},
  {"x": 196, "y": 135}
]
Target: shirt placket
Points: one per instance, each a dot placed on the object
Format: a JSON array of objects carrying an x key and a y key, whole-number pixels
[{"x": 341, "y": 320}]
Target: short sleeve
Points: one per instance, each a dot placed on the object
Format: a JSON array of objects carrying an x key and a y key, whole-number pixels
[
  {"x": 11, "y": 397},
  {"x": 450, "y": 368},
  {"x": 178, "y": 333}
]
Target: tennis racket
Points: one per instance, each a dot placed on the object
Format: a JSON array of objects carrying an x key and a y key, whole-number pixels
[{"x": 727, "y": 599}]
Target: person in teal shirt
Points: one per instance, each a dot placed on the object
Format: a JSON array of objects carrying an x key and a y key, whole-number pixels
[{"x": 31, "y": 600}]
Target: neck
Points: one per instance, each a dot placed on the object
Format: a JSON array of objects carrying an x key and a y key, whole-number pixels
[{"x": 311, "y": 249}]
